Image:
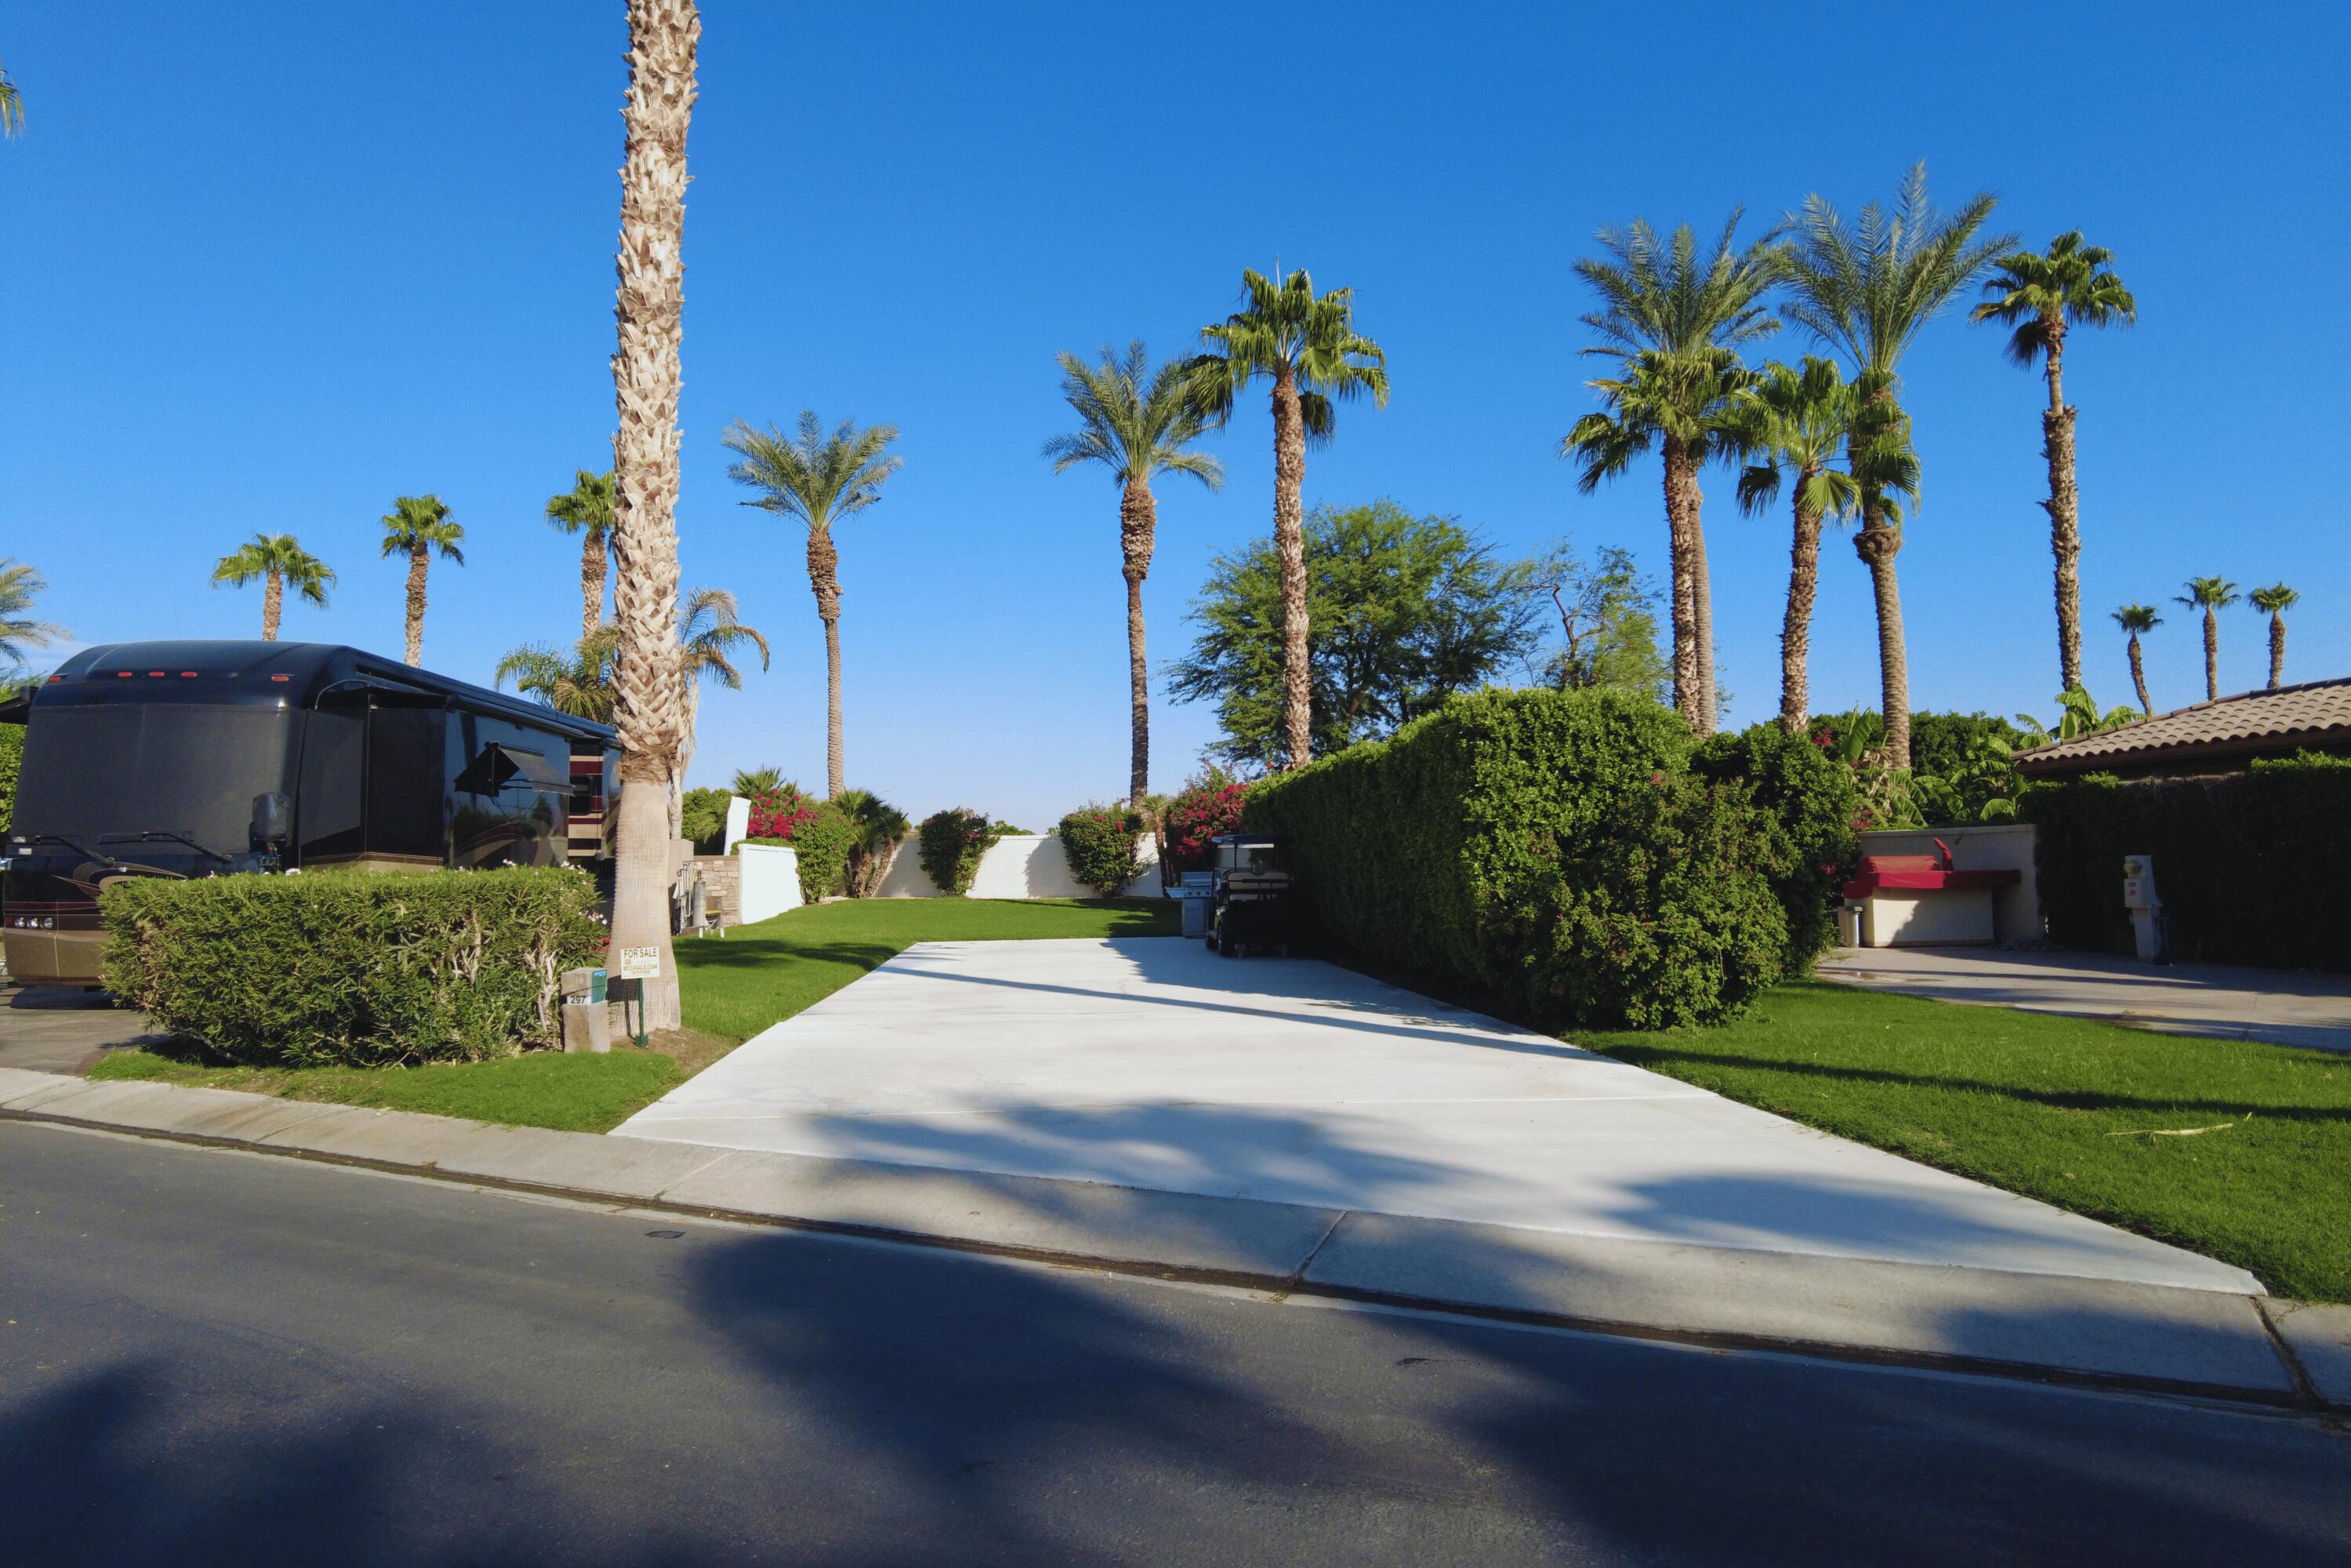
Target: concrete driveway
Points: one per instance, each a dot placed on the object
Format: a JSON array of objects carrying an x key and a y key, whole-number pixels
[
  {"x": 64, "y": 1029},
  {"x": 1153, "y": 1063}
]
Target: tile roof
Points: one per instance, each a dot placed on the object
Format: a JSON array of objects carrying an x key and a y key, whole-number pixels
[{"x": 2313, "y": 713}]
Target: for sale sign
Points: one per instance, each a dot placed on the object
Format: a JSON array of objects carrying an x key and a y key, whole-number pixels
[{"x": 639, "y": 963}]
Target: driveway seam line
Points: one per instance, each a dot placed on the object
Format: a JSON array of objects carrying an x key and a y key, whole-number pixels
[{"x": 2299, "y": 1374}]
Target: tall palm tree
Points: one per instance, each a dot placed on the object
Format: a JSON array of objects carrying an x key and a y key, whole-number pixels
[
  {"x": 578, "y": 681},
  {"x": 1802, "y": 420},
  {"x": 586, "y": 509},
  {"x": 2274, "y": 602},
  {"x": 12, "y": 104},
  {"x": 708, "y": 633},
  {"x": 822, "y": 480},
  {"x": 1137, "y": 423},
  {"x": 2136, "y": 618},
  {"x": 2041, "y": 296},
  {"x": 1674, "y": 320},
  {"x": 648, "y": 312},
  {"x": 416, "y": 527},
  {"x": 278, "y": 561},
  {"x": 1865, "y": 289},
  {"x": 1307, "y": 346},
  {"x": 19, "y": 586},
  {"x": 2211, "y": 595}
]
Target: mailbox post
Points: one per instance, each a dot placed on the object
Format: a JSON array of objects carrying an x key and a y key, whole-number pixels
[{"x": 2146, "y": 906}]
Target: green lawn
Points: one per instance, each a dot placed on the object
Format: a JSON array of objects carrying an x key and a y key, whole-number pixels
[
  {"x": 737, "y": 985},
  {"x": 2061, "y": 1108},
  {"x": 733, "y": 986}
]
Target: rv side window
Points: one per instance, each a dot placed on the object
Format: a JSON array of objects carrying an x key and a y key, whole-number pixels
[
  {"x": 406, "y": 798},
  {"x": 327, "y": 805}
]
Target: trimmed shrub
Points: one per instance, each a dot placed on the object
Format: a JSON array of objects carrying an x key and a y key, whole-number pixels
[
  {"x": 2250, "y": 866},
  {"x": 1550, "y": 856},
  {"x": 702, "y": 817},
  {"x": 1208, "y": 805},
  {"x": 820, "y": 832},
  {"x": 1818, "y": 802},
  {"x": 353, "y": 969},
  {"x": 1104, "y": 845},
  {"x": 950, "y": 843}
]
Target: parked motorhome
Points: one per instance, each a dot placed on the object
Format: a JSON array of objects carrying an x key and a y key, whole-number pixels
[{"x": 203, "y": 759}]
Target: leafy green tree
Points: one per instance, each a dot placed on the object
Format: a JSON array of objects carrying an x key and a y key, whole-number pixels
[
  {"x": 2210, "y": 595},
  {"x": 1307, "y": 346},
  {"x": 278, "y": 560},
  {"x": 1607, "y": 623},
  {"x": 586, "y": 509},
  {"x": 1674, "y": 321},
  {"x": 2274, "y": 602},
  {"x": 416, "y": 527},
  {"x": 822, "y": 480},
  {"x": 1137, "y": 423},
  {"x": 20, "y": 585},
  {"x": 2041, "y": 296},
  {"x": 576, "y": 681},
  {"x": 702, "y": 817},
  {"x": 1404, "y": 612},
  {"x": 1867, "y": 288},
  {"x": 2078, "y": 714},
  {"x": 2135, "y": 618}
]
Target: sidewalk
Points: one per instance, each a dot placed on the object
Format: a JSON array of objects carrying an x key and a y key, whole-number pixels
[
  {"x": 2284, "y": 1006},
  {"x": 2101, "y": 1332}
]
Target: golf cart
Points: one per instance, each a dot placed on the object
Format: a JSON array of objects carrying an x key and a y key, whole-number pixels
[{"x": 1254, "y": 902}]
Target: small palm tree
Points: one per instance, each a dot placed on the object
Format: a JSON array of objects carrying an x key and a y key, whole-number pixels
[
  {"x": 19, "y": 586},
  {"x": 757, "y": 782},
  {"x": 416, "y": 527},
  {"x": 821, "y": 479},
  {"x": 1137, "y": 423},
  {"x": 1867, "y": 288},
  {"x": 880, "y": 826},
  {"x": 2136, "y": 618},
  {"x": 586, "y": 509},
  {"x": 2274, "y": 602},
  {"x": 2210, "y": 595},
  {"x": 2041, "y": 296},
  {"x": 708, "y": 633},
  {"x": 1802, "y": 420},
  {"x": 278, "y": 560},
  {"x": 1307, "y": 346},
  {"x": 1674, "y": 320},
  {"x": 578, "y": 681}
]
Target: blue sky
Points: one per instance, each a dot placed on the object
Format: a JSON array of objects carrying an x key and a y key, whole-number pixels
[{"x": 271, "y": 265}]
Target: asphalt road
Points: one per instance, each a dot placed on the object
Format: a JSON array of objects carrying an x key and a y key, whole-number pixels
[{"x": 218, "y": 1357}]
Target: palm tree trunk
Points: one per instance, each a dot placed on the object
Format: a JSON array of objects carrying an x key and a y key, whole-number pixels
[
  {"x": 1702, "y": 612},
  {"x": 1137, "y": 522},
  {"x": 650, "y": 313},
  {"x": 2211, "y": 657},
  {"x": 2063, "y": 507},
  {"x": 824, "y": 580},
  {"x": 2277, "y": 651},
  {"x": 2139, "y": 677},
  {"x": 1681, "y": 479},
  {"x": 273, "y": 601},
  {"x": 1796, "y": 630},
  {"x": 1290, "y": 549},
  {"x": 1878, "y": 544},
  {"x": 592, "y": 581},
  {"x": 416, "y": 605}
]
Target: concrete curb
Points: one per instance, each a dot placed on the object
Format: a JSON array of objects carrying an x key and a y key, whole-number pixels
[{"x": 2048, "y": 1328}]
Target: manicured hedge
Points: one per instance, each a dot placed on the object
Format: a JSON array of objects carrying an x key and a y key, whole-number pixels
[
  {"x": 353, "y": 969},
  {"x": 1104, "y": 847},
  {"x": 950, "y": 843},
  {"x": 1555, "y": 856},
  {"x": 2252, "y": 867}
]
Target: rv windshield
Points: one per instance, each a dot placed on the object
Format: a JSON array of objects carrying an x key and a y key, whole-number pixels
[{"x": 132, "y": 768}]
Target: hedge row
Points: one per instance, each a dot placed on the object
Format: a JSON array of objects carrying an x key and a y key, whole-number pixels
[
  {"x": 2252, "y": 867},
  {"x": 1571, "y": 858},
  {"x": 355, "y": 968}
]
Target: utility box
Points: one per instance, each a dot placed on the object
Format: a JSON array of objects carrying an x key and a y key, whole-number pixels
[
  {"x": 2146, "y": 906},
  {"x": 587, "y": 1026}
]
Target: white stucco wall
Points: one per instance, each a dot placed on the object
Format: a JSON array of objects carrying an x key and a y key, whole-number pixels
[
  {"x": 738, "y": 823},
  {"x": 2000, "y": 846},
  {"x": 1025, "y": 865},
  {"x": 771, "y": 879}
]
